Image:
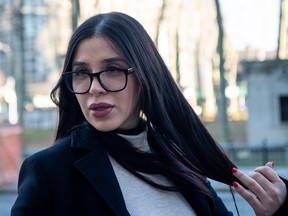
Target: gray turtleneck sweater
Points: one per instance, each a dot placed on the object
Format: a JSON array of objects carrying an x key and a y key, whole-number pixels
[{"x": 141, "y": 198}]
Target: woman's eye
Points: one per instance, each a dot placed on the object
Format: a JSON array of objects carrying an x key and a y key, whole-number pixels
[
  {"x": 112, "y": 69},
  {"x": 81, "y": 74},
  {"x": 115, "y": 69}
]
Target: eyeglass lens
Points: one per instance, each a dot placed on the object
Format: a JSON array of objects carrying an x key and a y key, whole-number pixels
[{"x": 110, "y": 80}]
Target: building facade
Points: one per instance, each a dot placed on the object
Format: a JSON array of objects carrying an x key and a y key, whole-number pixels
[{"x": 267, "y": 102}]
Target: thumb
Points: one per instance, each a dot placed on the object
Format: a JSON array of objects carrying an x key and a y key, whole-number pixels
[{"x": 270, "y": 164}]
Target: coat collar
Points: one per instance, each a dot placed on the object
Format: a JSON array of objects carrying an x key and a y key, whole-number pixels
[
  {"x": 95, "y": 166},
  {"x": 85, "y": 137}
]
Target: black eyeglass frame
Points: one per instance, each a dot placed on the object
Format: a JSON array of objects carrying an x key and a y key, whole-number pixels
[{"x": 97, "y": 75}]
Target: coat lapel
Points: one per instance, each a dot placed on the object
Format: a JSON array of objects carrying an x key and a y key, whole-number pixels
[{"x": 97, "y": 169}]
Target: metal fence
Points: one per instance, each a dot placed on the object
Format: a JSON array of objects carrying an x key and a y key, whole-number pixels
[
  {"x": 40, "y": 118},
  {"x": 251, "y": 155}
]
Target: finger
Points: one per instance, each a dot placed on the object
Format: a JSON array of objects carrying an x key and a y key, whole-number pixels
[
  {"x": 269, "y": 207},
  {"x": 269, "y": 173},
  {"x": 251, "y": 183},
  {"x": 274, "y": 187},
  {"x": 247, "y": 195},
  {"x": 262, "y": 181}
]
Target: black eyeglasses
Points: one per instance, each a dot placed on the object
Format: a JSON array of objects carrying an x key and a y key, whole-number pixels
[{"x": 112, "y": 80}]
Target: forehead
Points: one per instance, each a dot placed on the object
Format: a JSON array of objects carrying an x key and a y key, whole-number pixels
[{"x": 95, "y": 46}]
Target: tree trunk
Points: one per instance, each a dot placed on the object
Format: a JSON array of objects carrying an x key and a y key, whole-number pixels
[
  {"x": 282, "y": 34},
  {"x": 159, "y": 21},
  {"x": 18, "y": 67},
  {"x": 221, "y": 98},
  {"x": 75, "y": 13}
]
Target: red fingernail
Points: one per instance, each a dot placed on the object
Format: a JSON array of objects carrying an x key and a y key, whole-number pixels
[
  {"x": 235, "y": 184},
  {"x": 272, "y": 163},
  {"x": 234, "y": 170}
]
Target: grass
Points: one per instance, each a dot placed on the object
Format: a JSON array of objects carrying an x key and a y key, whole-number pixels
[{"x": 38, "y": 138}]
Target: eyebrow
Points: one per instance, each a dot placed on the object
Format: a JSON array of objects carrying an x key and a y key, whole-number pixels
[
  {"x": 76, "y": 63},
  {"x": 105, "y": 61},
  {"x": 115, "y": 59}
]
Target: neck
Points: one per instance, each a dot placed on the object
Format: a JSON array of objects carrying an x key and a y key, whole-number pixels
[{"x": 133, "y": 131}]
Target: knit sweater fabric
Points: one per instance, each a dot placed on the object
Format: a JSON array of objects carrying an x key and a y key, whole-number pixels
[{"x": 143, "y": 199}]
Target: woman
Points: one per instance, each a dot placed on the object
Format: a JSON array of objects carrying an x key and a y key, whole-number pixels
[{"x": 128, "y": 143}]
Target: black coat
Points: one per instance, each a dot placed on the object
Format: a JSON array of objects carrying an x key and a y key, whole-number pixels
[{"x": 75, "y": 177}]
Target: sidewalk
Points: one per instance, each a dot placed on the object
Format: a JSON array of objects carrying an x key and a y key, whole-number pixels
[{"x": 8, "y": 196}]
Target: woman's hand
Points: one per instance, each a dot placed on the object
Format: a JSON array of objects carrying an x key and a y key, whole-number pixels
[{"x": 266, "y": 191}]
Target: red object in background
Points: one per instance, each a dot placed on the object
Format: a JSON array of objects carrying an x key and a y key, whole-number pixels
[{"x": 10, "y": 154}]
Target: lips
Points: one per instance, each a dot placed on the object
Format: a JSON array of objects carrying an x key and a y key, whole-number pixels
[{"x": 100, "y": 109}]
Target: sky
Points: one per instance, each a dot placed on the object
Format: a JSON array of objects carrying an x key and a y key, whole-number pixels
[{"x": 252, "y": 23}]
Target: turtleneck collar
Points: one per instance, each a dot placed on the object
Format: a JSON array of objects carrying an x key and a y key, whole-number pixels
[{"x": 133, "y": 131}]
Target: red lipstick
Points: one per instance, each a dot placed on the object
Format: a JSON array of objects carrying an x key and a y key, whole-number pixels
[{"x": 100, "y": 109}]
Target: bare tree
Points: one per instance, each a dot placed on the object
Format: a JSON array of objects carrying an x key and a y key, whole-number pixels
[
  {"x": 199, "y": 88},
  {"x": 177, "y": 46},
  {"x": 18, "y": 58},
  {"x": 75, "y": 13},
  {"x": 159, "y": 21},
  {"x": 282, "y": 34},
  {"x": 221, "y": 98},
  {"x": 177, "y": 60}
]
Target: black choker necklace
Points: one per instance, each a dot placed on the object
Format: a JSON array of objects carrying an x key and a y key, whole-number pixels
[{"x": 133, "y": 131}]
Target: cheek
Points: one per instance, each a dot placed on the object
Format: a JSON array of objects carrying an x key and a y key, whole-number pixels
[
  {"x": 81, "y": 101},
  {"x": 133, "y": 94},
  {"x": 129, "y": 100}
]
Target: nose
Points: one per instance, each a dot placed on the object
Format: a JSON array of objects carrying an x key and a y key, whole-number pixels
[{"x": 96, "y": 88}]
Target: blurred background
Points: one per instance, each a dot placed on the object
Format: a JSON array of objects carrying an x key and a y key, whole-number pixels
[{"x": 229, "y": 57}]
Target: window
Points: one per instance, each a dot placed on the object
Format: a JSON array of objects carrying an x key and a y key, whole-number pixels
[{"x": 284, "y": 108}]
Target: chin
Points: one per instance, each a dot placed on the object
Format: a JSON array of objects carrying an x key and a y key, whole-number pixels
[{"x": 104, "y": 127}]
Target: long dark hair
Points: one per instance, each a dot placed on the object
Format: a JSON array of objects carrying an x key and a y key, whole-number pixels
[{"x": 162, "y": 102}]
